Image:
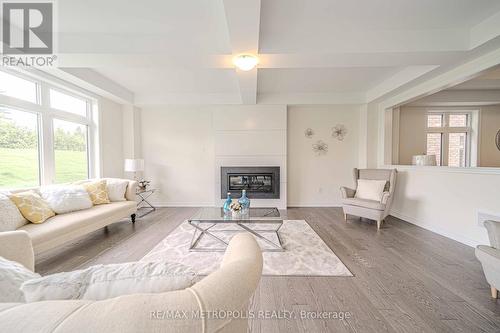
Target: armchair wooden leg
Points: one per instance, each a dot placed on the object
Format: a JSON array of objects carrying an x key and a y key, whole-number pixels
[
  {"x": 494, "y": 292},
  {"x": 379, "y": 224},
  {"x": 345, "y": 217}
]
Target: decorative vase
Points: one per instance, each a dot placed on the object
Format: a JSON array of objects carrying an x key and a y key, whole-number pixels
[
  {"x": 244, "y": 201},
  {"x": 227, "y": 203}
]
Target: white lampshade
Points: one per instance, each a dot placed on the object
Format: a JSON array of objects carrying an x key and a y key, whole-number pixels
[{"x": 134, "y": 165}]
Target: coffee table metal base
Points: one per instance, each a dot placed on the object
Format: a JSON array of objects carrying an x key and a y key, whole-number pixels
[{"x": 199, "y": 232}]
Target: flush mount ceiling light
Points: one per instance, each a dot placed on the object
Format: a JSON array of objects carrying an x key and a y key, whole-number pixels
[{"x": 246, "y": 62}]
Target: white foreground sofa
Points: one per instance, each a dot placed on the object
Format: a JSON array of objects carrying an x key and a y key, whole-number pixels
[
  {"x": 66, "y": 227},
  {"x": 217, "y": 299}
]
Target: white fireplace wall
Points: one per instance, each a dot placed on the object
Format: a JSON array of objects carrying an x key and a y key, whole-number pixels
[
  {"x": 253, "y": 135},
  {"x": 185, "y": 146}
]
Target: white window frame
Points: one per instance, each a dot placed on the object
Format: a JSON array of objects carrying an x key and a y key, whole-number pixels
[
  {"x": 445, "y": 131},
  {"x": 46, "y": 115}
]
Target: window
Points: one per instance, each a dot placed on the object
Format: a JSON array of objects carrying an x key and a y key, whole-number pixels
[
  {"x": 19, "y": 149},
  {"x": 448, "y": 137},
  {"x": 456, "y": 149},
  {"x": 434, "y": 145},
  {"x": 48, "y": 142},
  {"x": 65, "y": 102},
  {"x": 70, "y": 151},
  {"x": 17, "y": 87},
  {"x": 434, "y": 120}
]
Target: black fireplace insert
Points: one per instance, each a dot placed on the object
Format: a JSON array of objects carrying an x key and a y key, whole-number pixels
[{"x": 259, "y": 182}]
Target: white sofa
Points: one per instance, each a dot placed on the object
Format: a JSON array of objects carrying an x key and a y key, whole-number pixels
[
  {"x": 224, "y": 294},
  {"x": 66, "y": 227}
]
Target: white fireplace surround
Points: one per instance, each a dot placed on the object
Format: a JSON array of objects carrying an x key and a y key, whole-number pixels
[{"x": 257, "y": 138}]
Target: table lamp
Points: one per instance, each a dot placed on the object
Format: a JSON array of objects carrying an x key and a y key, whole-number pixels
[{"x": 134, "y": 165}]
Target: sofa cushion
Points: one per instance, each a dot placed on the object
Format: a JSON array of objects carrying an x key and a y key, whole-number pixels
[
  {"x": 98, "y": 191},
  {"x": 370, "y": 189},
  {"x": 66, "y": 198},
  {"x": 371, "y": 204},
  {"x": 116, "y": 189},
  {"x": 12, "y": 276},
  {"x": 107, "y": 281},
  {"x": 32, "y": 206},
  {"x": 39, "y": 317},
  {"x": 10, "y": 217},
  {"x": 60, "y": 225}
]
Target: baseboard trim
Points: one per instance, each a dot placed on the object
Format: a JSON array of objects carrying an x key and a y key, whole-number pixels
[
  {"x": 183, "y": 204},
  {"x": 196, "y": 205},
  {"x": 313, "y": 206},
  {"x": 437, "y": 230}
]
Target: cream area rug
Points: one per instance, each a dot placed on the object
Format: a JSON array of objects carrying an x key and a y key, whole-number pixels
[{"x": 305, "y": 252}]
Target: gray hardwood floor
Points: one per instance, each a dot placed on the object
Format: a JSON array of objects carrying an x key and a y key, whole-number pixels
[{"x": 407, "y": 279}]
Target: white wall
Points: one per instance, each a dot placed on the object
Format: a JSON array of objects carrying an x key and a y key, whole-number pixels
[
  {"x": 132, "y": 147},
  {"x": 446, "y": 201},
  {"x": 178, "y": 149},
  {"x": 372, "y": 142},
  {"x": 111, "y": 131},
  {"x": 315, "y": 180},
  {"x": 185, "y": 146}
]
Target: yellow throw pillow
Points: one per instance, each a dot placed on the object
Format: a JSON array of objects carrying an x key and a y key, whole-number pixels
[
  {"x": 98, "y": 192},
  {"x": 32, "y": 206}
]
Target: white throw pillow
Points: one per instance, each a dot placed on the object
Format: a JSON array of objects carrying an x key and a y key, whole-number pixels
[
  {"x": 66, "y": 198},
  {"x": 10, "y": 216},
  {"x": 370, "y": 189},
  {"x": 12, "y": 276},
  {"x": 116, "y": 189},
  {"x": 108, "y": 281}
]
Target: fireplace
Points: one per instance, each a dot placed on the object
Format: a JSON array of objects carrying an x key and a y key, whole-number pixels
[{"x": 259, "y": 182}]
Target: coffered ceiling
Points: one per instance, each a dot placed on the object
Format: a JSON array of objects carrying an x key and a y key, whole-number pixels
[{"x": 321, "y": 51}]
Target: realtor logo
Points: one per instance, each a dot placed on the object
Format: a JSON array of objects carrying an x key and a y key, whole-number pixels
[{"x": 27, "y": 28}]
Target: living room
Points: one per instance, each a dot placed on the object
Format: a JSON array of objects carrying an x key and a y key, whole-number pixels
[{"x": 250, "y": 166}]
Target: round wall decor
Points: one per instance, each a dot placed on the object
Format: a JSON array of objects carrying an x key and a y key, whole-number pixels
[{"x": 497, "y": 140}]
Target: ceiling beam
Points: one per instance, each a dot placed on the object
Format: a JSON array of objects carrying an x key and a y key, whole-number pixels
[
  {"x": 154, "y": 99},
  {"x": 94, "y": 82},
  {"x": 485, "y": 31},
  {"x": 243, "y": 24},
  {"x": 221, "y": 61},
  {"x": 402, "y": 77},
  {"x": 248, "y": 86},
  {"x": 437, "y": 81},
  {"x": 460, "y": 98},
  {"x": 312, "y": 98}
]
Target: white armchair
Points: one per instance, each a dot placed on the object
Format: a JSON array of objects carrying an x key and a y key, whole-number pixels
[
  {"x": 371, "y": 209},
  {"x": 489, "y": 256}
]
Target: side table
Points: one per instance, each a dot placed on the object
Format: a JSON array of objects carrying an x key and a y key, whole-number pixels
[{"x": 143, "y": 203}]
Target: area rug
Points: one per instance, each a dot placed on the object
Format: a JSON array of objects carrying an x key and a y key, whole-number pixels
[{"x": 306, "y": 254}]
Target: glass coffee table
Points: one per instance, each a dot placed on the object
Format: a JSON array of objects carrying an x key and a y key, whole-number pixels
[{"x": 213, "y": 229}]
